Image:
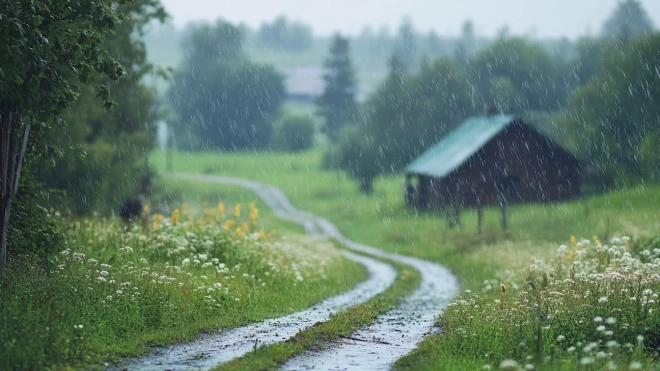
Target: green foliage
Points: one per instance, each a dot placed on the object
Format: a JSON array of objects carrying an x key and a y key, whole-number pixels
[
  {"x": 405, "y": 116},
  {"x": 533, "y": 75},
  {"x": 627, "y": 22},
  {"x": 593, "y": 304},
  {"x": 294, "y": 133},
  {"x": 282, "y": 35},
  {"x": 47, "y": 48},
  {"x": 222, "y": 100},
  {"x": 114, "y": 292},
  {"x": 337, "y": 104},
  {"x": 614, "y": 118},
  {"x": 106, "y": 168}
]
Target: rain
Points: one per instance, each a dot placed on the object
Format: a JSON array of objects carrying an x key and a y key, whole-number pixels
[{"x": 363, "y": 185}]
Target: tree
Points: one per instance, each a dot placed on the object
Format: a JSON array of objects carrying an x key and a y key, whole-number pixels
[
  {"x": 407, "y": 47},
  {"x": 585, "y": 64},
  {"x": 529, "y": 68},
  {"x": 466, "y": 44},
  {"x": 222, "y": 99},
  {"x": 337, "y": 104},
  {"x": 406, "y": 115},
  {"x": 614, "y": 118},
  {"x": 282, "y": 35},
  {"x": 628, "y": 20},
  {"x": 294, "y": 132},
  {"x": 114, "y": 142},
  {"x": 47, "y": 47}
]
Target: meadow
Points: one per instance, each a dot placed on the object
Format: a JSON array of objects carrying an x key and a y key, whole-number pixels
[
  {"x": 518, "y": 326},
  {"x": 114, "y": 290}
]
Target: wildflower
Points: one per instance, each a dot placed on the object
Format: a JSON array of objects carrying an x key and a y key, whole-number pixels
[
  {"x": 175, "y": 216},
  {"x": 635, "y": 365},
  {"x": 640, "y": 338},
  {"x": 598, "y": 319},
  {"x": 610, "y": 320},
  {"x": 503, "y": 288},
  {"x": 108, "y": 298},
  {"x": 101, "y": 279},
  {"x": 570, "y": 349},
  {"x": 145, "y": 210},
  {"x": 586, "y": 360},
  {"x": 600, "y": 328},
  {"x": 603, "y": 299},
  {"x": 106, "y": 266},
  {"x": 573, "y": 241},
  {"x": 561, "y": 338},
  {"x": 237, "y": 210},
  {"x": 143, "y": 261},
  {"x": 126, "y": 249},
  {"x": 119, "y": 292},
  {"x": 508, "y": 364},
  {"x": 221, "y": 209}
]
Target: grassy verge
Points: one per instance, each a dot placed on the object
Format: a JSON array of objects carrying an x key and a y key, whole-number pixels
[
  {"x": 382, "y": 220},
  {"x": 484, "y": 262},
  {"x": 342, "y": 324},
  {"x": 113, "y": 290}
]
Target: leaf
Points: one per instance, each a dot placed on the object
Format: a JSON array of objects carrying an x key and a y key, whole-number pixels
[{"x": 19, "y": 79}]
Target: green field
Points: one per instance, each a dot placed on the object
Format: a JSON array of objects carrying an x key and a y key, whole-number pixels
[
  {"x": 382, "y": 220},
  {"x": 114, "y": 290},
  {"x": 510, "y": 314}
]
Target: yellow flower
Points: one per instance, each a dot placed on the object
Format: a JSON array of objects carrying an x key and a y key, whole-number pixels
[
  {"x": 503, "y": 288},
  {"x": 570, "y": 255},
  {"x": 221, "y": 209},
  {"x": 245, "y": 227},
  {"x": 155, "y": 225},
  {"x": 613, "y": 263},
  {"x": 145, "y": 210},
  {"x": 175, "y": 216},
  {"x": 573, "y": 241},
  {"x": 184, "y": 208},
  {"x": 239, "y": 232},
  {"x": 237, "y": 210},
  {"x": 262, "y": 234},
  {"x": 228, "y": 224}
]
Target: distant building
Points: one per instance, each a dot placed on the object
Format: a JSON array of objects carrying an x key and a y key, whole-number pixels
[
  {"x": 304, "y": 84},
  {"x": 490, "y": 159}
]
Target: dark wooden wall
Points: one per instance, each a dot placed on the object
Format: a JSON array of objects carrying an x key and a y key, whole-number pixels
[{"x": 519, "y": 165}]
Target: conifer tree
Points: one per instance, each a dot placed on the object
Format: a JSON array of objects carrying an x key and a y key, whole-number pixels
[{"x": 337, "y": 104}]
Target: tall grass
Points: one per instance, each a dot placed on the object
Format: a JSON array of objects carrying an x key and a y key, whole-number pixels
[{"x": 114, "y": 289}]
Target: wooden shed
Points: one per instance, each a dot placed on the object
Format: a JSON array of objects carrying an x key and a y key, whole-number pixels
[{"x": 495, "y": 159}]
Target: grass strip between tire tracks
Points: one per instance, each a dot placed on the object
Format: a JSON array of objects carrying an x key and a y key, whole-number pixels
[{"x": 340, "y": 325}]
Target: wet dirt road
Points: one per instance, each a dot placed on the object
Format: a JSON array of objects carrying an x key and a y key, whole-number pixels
[{"x": 375, "y": 347}]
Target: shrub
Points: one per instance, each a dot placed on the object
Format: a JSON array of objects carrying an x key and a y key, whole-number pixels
[{"x": 294, "y": 133}]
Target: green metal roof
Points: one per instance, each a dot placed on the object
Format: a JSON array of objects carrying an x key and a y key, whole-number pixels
[{"x": 454, "y": 149}]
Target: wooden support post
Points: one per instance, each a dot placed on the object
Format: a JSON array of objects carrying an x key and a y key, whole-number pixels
[
  {"x": 480, "y": 218},
  {"x": 504, "y": 204},
  {"x": 457, "y": 215}
]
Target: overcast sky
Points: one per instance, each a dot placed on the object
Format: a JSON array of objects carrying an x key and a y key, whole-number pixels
[{"x": 539, "y": 18}]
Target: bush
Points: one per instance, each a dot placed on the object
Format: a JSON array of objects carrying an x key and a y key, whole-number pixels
[{"x": 294, "y": 133}]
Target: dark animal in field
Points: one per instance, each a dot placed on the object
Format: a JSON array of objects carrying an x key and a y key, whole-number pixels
[{"x": 131, "y": 208}]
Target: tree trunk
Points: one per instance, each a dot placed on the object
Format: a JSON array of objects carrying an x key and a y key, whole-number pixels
[
  {"x": 11, "y": 160},
  {"x": 367, "y": 185}
]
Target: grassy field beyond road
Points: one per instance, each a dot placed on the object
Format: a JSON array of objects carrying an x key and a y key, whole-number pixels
[{"x": 382, "y": 220}]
